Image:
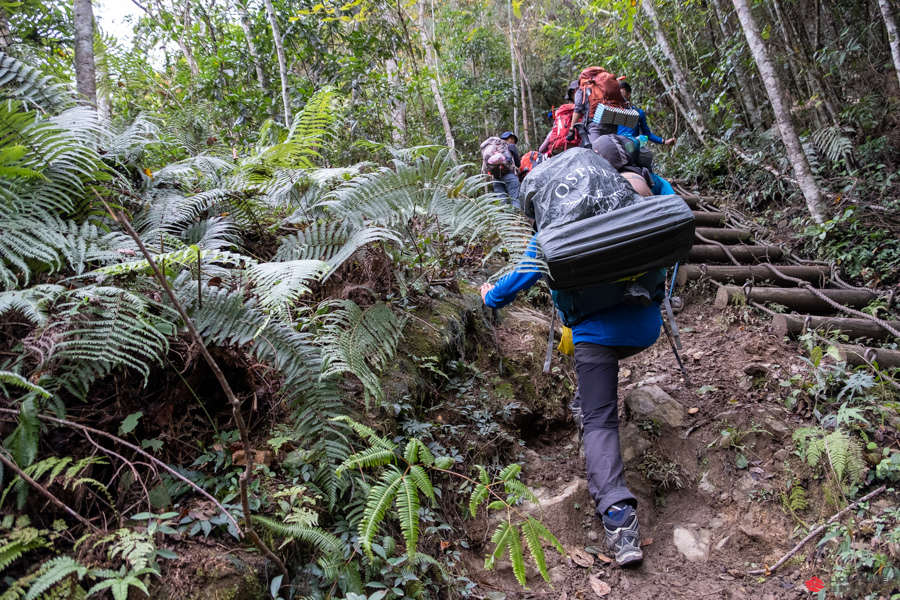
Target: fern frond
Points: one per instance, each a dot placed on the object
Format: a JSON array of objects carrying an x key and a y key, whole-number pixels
[
  {"x": 408, "y": 509},
  {"x": 332, "y": 242},
  {"x": 510, "y": 472},
  {"x": 16, "y": 380},
  {"x": 53, "y": 572},
  {"x": 281, "y": 282},
  {"x": 516, "y": 557},
  {"x": 479, "y": 495},
  {"x": 357, "y": 341},
  {"x": 370, "y": 457},
  {"x": 831, "y": 141},
  {"x": 318, "y": 538},
  {"x": 381, "y": 496},
  {"x": 422, "y": 481},
  {"x": 500, "y": 539},
  {"x": 22, "y": 82}
]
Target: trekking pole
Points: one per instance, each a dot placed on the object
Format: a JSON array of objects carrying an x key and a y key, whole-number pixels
[{"x": 687, "y": 380}]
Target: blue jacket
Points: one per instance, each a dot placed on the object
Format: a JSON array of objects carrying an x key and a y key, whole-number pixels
[
  {"x": 641, "y": 129},
  {"x": 619, "y": 325}
]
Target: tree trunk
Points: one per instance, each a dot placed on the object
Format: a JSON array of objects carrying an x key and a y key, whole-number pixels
[
  {"x": 5, "y": 35},
  {"x": 670, "y": 89},
  {"x": 526, "y": 85},
  {"x": 799, "y": 161},
  {"x": 893, "y": 37},
  {"x": 512, "y": 67},
  {"x": 435, "y": 88},
  {"x": 85, "y": 72},
  {"x": 261, "y": 76},
  {"x": 680, "y": 79},
  {"x": 282, "y": 63},
  {"x": 745, "y": 92},
  {"x": 398, "y": 107},
  {"x": 185, "y": 44}
]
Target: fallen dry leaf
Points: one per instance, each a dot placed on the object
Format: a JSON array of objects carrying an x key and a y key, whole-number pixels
[
  {"x": 563, "y": 596},
  {"x": 604, "y": 558},
  {"x": 601, "y": 588},
  {"x": 693, "y": 410},
  {"x": 581, "y": 558},
  {"x": 646, "y": 541}
]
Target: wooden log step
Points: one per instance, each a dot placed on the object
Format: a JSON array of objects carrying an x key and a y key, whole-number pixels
[
  {"x": 855, "y": 328},
  {"x": 743, "y": 253},
  {"x": 691, "y": 201},
  {"x": 860, "y": 355},
  {"x": 739, "y": 275},
  {"x": 703, "y": 218},
  {"x": 795, "y": 298},
  {"x": 725, "y": 236}
]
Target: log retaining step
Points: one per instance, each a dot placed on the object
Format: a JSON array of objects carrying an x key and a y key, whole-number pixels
[
  {"x": 796, "y": 298},
  {"x": 739, "y": 275},
  {"x": 703, "y": 218},
  {"x": 855, "y": 328},
  {"x": 725, "y": 236},
  {"x": 860, "y": 355},
  {"x": 741, "y": 252}
]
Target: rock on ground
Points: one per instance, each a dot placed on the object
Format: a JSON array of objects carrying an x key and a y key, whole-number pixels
[
  {"x": 694, "y": 545},
  {"x": 652, "y": 402}
]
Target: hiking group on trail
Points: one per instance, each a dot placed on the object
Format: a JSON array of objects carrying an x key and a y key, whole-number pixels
[{"x": 606, "y": 229}]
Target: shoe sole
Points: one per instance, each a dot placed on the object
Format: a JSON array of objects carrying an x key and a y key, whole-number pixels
[{"x": 630, "y": 558}]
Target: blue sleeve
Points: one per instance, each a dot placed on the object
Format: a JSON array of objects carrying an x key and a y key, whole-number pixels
[
  {"x": 645, "y": 129},
  {"x": 661, "y": 187},
  {"x": 509, "y": 285}
]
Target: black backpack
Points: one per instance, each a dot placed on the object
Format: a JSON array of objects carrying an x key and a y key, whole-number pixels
[{"x": 593, "y": 228}]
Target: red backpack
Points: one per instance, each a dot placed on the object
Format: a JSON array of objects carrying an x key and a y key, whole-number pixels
[
  {"x": 561, "y": 124},
  {"x": 601, "y": 87}
]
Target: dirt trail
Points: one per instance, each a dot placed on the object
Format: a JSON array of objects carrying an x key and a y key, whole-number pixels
[{"x": 727, "y": 510}]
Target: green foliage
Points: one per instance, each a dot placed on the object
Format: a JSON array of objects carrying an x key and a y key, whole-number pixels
[
  {"x": 358, "y": 341},
  {"x": 67, "y": 470},
  {"x": 404, "y": 476},
  {"x": 842, "y": 453}
]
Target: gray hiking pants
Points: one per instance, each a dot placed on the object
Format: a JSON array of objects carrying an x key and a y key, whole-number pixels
[
  {"x": 509, "y": 185},
  {"x": 597, "y": 398}
]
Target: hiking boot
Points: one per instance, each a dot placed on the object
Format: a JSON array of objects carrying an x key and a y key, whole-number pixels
[{"x": 623, "y": 535}]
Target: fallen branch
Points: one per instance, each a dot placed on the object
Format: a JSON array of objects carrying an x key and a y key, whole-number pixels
[
  {"x": 148, "y": 456},
  {"x": 45, "y": 492},
  {"x": 244, "y": 478},
  {"x": 814, "y": 533}
]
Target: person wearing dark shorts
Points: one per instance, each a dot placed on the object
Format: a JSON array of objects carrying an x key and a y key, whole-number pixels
[{"x": 601, "y": 341}]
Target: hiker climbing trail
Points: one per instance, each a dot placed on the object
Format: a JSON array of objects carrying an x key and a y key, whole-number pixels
[{"x": 710, "y": 462}]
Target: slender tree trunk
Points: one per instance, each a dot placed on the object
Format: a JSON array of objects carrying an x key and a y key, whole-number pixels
[
  {"x": 512, "y": 67},
  {"x": 800, "y": 163},
  {"x": 745, "y": 91},
  {"x": 530, "y": 99},
  {"x": 793, "y": 44},
  {"x": 184, "y": 42},
  {"x": 85, "y": 72},
  {"x": 681, "y": 80},
  {"x": 398, "y": 107},
  {"x": 435, "y": 88},
  {"x": 5, "y": 34},
  {"x": 104, "y": 107},
  {"x": 261, "y": 76},
  {"x": 670, "y": 89},
  {"x": 282, "y": 63},
  {"x": 893, "y": 37}
]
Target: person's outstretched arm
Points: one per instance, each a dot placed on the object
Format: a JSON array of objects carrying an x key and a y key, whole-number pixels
[
  {"x": 644, "y": 129},
  {"x": 505, "y": 291}
]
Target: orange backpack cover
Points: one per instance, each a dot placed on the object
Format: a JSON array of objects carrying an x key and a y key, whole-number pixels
[{"x": 601, "y": 87}]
